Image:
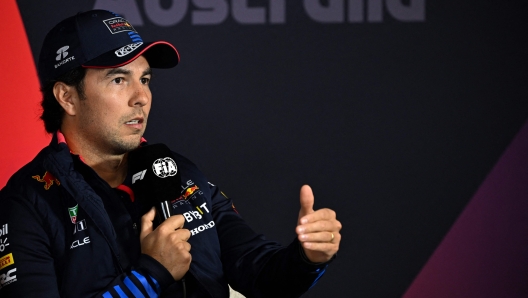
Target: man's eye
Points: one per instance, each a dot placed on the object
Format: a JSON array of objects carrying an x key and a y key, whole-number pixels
[
  {"x": 118, "y": 80},
  {"x": 145, "y": 81}
]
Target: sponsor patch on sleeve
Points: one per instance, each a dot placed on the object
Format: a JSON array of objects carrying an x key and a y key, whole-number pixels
[
  {"x": 8, "y": 278},
  {"x": 6, "y": 260}
]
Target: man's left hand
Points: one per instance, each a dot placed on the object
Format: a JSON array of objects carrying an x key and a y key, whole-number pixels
[{"x": 318, "y": 231}]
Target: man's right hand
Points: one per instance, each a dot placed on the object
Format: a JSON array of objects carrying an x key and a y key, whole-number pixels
[{"x": 167, "y": 243}]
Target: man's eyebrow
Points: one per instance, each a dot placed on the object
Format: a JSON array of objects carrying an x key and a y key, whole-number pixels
[
  {"x": 114, "y": 71},
  {"x": 146, "y": 72}
]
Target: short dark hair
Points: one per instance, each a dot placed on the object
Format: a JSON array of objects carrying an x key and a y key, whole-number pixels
[{"x": 52, "y": 111}]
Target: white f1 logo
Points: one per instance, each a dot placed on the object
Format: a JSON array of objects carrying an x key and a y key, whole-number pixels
[{"x": 138, "y": 176}]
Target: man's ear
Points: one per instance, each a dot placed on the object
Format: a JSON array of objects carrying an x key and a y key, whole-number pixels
[{"x": 67, "y": 97}]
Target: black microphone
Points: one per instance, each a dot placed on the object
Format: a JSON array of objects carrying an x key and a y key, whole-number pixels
[{"x": 155, "y": 178}]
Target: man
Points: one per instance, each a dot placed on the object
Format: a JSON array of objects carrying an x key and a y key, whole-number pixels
[{"x": 70, "y": 222}]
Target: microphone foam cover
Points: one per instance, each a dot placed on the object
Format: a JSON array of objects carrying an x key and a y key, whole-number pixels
[{"x": 155, "y": 175}]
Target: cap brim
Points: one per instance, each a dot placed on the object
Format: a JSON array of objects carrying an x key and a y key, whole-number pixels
[{"x": 159, "y": 54}]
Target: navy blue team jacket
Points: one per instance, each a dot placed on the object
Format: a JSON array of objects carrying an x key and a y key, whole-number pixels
[{"x": 65, "y": 233}]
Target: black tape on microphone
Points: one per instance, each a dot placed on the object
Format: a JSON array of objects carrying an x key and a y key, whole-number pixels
[{"x": 155, "y": 178}]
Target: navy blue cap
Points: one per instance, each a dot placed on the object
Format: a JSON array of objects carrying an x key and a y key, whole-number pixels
[{"x": 98, "y": 39}]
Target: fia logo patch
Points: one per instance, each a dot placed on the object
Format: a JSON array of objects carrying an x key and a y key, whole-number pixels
[{"x": 164, "y": 167}]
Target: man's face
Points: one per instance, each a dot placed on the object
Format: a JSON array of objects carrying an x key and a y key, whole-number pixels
[{"x": 113, "y": 115}]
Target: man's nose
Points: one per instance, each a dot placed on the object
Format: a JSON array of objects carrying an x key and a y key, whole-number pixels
[{"x": 141, "y": 95}]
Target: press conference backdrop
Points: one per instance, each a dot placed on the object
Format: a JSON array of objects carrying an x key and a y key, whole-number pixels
[{"x": 407, "y": 117}]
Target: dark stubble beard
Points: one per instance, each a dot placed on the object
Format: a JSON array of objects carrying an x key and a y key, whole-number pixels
[
  {"x": 120, "y": 146},
  {"x": 115, "y": 143}
]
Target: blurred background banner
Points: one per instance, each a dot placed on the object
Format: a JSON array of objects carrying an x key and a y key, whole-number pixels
[
  {"x": 394, "y": 111},
  {"x": 22, "y": 132}
]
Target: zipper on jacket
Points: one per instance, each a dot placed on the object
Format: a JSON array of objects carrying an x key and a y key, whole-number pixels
[{"x": 184, "y": 289}]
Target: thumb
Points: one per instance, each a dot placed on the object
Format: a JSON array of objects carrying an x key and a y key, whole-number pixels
[
  {"x": 306, "y": 200},
  {"x": 147, "y": 223}
]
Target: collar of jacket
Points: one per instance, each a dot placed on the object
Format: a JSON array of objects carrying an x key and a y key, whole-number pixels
[{"x": 59, "y": 162}]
